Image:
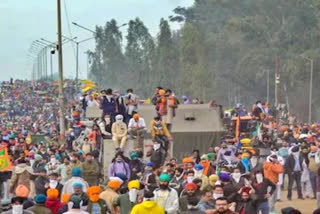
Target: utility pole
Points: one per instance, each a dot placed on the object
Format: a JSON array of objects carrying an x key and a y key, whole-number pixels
[
  {"x": 277, "y": 83},
  {"x": 310, "y": 92},
  {"x": 60, "y": 68}
]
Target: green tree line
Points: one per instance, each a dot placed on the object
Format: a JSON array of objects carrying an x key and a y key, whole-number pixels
[{"x": 223, "y": 51}]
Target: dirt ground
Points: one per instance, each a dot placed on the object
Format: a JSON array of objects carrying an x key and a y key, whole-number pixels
[{"x": 306, "y": 206}]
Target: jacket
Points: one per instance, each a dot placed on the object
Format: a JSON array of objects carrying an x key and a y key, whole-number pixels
[
  {"x": 67, "y": 188},
  {"x": 21, "y": 174},
  {"x": 109, "y": 196},
  {"x": 147, "y": 207},
  {"x": 263, "y": 188},
  {"x": 183, "y": 201},
  {"x": 271, "y": 171},
  {"x": 40, "y": 185},
  {"x": 119, "y": 129},
  {"x": 171, "y": 203},
  {"x": 90, "y": 172},
  {"x": 159, "y": 129},
  {"x": 290, "y": 163},
  {"x": 136, "y": 167},
  {"x": 157, "y": 158},
  {"x": 250, "y": 207},
  {"x": 53, "y": 204},
  {"x": 108, "y": 106},
  {"x": 40, "y": 209},
  {"x": 124, "y": 203},
  {"x": 102, "y": 204},
  {"x": 314, "y": 163},
  {"x": 119, "y": 167}
]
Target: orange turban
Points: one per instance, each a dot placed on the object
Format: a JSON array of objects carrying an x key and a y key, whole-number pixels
[
  {"x": 93, "y": 193},
  {"x": 22, "y": 191},
  {"x": 114, "y": 184},
  {"x": 187, "y": 160},
  {"x": 65, "y": 198},
  {"x": 52, "y": 193}
]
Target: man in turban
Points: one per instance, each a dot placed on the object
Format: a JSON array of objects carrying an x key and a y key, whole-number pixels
[
  {"x": 96, "y": 205},
  {"x": 128, "y": 200},
  {"x": 119, "y": 132},
  {"x": 190, "y": 189},
  {"x": 76, "y": 178},
  {"x": 110, "y": 194},
  {"x": 39, "y": 207},
  {"x": 79, "y": 191},
  {"x": 53, "y": 203},
  {"x": 166, "y": 197},
  {"x": 246, "y": 202}
]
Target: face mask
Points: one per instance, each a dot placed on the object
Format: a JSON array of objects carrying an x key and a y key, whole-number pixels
[
  {"x": 254, "y": 161},
  {"x": 53, "y": 184},
  {"x": 216, "y": 195},
  {"x": 163, "y": 186},
  {"x": 17, "y": 209},
  {"x": 190, "y": 179},
  {"x": 133, "y": 193},
  {"x": 236, "y": 176},
  {"x": 118, "y": 121},
  {"x": 107, "y": 119},
  {"x": 259, "y": 178},
  {"x": 156, "y": 146}
]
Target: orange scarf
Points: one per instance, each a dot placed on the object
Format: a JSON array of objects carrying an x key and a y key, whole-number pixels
[{"x": 205, "y": 164}]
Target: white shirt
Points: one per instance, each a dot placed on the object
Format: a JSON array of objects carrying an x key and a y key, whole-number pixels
[{"x": 134, "y": 124}]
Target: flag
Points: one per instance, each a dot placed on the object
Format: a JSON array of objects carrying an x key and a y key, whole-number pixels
[{"x": 5, "y": 163}]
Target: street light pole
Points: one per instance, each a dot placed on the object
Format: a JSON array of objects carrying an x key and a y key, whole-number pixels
[
  {"x": 60, "y": 58},
  {"x": 268, "y": 85}
]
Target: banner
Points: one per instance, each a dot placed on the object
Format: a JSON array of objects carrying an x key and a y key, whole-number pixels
[{"x": 5, "y": 163}]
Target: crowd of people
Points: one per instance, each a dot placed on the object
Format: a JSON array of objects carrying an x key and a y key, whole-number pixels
[{"x": 51, "y": 177}]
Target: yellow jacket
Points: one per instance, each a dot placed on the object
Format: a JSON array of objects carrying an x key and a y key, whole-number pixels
[
  {"x": 147, "y": 207},
  {"x": 162, "y": 130}
]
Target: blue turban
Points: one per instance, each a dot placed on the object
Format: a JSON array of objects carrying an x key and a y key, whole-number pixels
[
  {"x": 198, "y": 167},
  {"x": 40, "y": 199},
  {"x": 122, "y": 176},
  {"x": 77, "y": 185},
  {"x": 225, "y": 177},
  {"x": 76, "y": 172}
]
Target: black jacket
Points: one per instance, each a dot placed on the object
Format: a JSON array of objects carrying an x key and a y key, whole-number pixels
[
  {"x": 250, "y": 207},
  {"x": 262, "y": 189},
  {"x": 290, "y": 163}
]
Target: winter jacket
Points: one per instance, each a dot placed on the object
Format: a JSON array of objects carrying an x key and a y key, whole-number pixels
[
  {"x": 67, "y": 188},
  {"x": 314, "y": 163},
  {"x": 263, "y": 188},
  {"x": 271, "y": 171},
  {"x": 119, "y": 129},
  {"x": 171, "y": 203},
  {"x": 21, "y": 174},
  {"x": 250, "y": 207},
  {"x": 158, "y": 129},
  {"x": 109, "y": 196},
  {"x": 147, "y": 207},
  {"x": 40, "y": 185},
  {"x": 183, "y": 201},
  {"x": 124, "y": 203},
  {"x": 53, "y": 204},
  {"x": 90, "y": 172},
  {"x": 84, "y": 198},
  {"x": 37, "y": 166},
  {"x": 119, "y": 167},
  {"x": 108, "y": 106},
  {"x": 136, "y": 167},
  {"x": 176, "y": 183},
  {"x": 157, "y": 158},
  {"x": 290, "y": 163},
  {"x": 102, "y": 204},
  {"x": 40, "y": 209}
]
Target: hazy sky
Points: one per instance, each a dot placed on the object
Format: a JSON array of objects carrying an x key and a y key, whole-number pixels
[{"x": 23, "y": 21}]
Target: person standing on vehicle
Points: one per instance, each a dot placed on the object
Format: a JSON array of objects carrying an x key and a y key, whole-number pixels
[{"x": 160, "y": 133}]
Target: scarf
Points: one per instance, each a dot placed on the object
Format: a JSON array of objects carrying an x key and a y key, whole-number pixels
[
  {"x": 205, "y": 164},
  {"x": 245, "y": 163}
]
